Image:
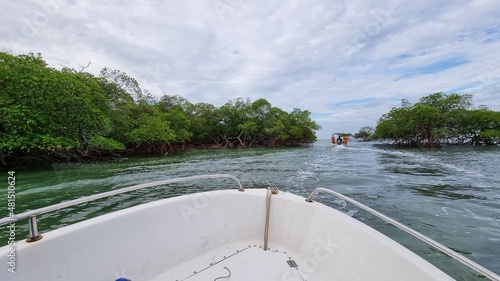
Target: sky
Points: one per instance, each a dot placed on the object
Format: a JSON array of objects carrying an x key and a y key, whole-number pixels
[{"x": 347, "y": 62}]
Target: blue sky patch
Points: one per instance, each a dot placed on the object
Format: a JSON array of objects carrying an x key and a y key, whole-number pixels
[
  {"x": 350, "y": 103},
  {"x": 492, "y": 35},
  {"x": 432, "y": 68}
]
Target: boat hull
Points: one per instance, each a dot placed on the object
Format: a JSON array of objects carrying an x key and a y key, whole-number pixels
[{"x": 198, "y": 236}]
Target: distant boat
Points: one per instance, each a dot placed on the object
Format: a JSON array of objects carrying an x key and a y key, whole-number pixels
[
  {"x": 338, "y": 145},
  {"x": 238, "y": 234},
  {"x": 336, "y": 141}
]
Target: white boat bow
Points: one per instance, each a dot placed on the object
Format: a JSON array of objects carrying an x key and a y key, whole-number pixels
[{"x": 235, "y": 234}]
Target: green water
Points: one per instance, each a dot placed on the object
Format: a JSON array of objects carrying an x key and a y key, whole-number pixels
[{"x": 451, "y": 194}]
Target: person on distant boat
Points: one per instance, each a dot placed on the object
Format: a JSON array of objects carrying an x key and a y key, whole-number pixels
[
  {"x": 344, "y": 141},
  {"x": 339, "y": 140},
  {"x": 333, "y": 139}
]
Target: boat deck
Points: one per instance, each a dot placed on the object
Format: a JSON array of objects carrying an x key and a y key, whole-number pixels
[{"x": 247, "y": 262}]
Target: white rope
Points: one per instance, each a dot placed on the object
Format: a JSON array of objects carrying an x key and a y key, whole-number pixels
[{"x": 224, "y": 276}]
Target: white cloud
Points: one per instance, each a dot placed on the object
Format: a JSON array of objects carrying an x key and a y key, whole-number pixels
[{"x": 348, "y": 62}]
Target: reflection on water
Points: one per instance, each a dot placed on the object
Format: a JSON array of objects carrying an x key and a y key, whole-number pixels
[{"x": 450, "y": 194}]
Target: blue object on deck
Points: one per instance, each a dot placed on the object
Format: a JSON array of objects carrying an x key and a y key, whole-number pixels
[{"x": 123, "y": 279}]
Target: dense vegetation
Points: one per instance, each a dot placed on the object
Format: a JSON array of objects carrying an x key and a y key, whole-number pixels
[
  {"x": 49, "y": 115},
  {"x": 365, "y": 133},
  {"x": 437, "y": 119}
]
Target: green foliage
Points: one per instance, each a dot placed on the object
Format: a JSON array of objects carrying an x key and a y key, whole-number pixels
[
  {"x": 303, "y": 126},
  {"x": 180, "y": 125},
  {"x": 123, "y": 120},
  {"x": 119, "y": 87},
  {"x": 104, "y": 143},
  {"x": 438, "y": 118},
  {"x": 204, "y": 123},
  {"x": 365, "y": 133},
  {"x": 47, "y": 110},
  {"x": 152, "y": 129},
  {"x": 259, "y": 123},
  {"x": 275, "y": 126},
  {"x": 168, "y": 103}
]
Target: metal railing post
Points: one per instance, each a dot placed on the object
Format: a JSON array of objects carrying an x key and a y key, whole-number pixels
[{"x": 33, "y": 228}]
